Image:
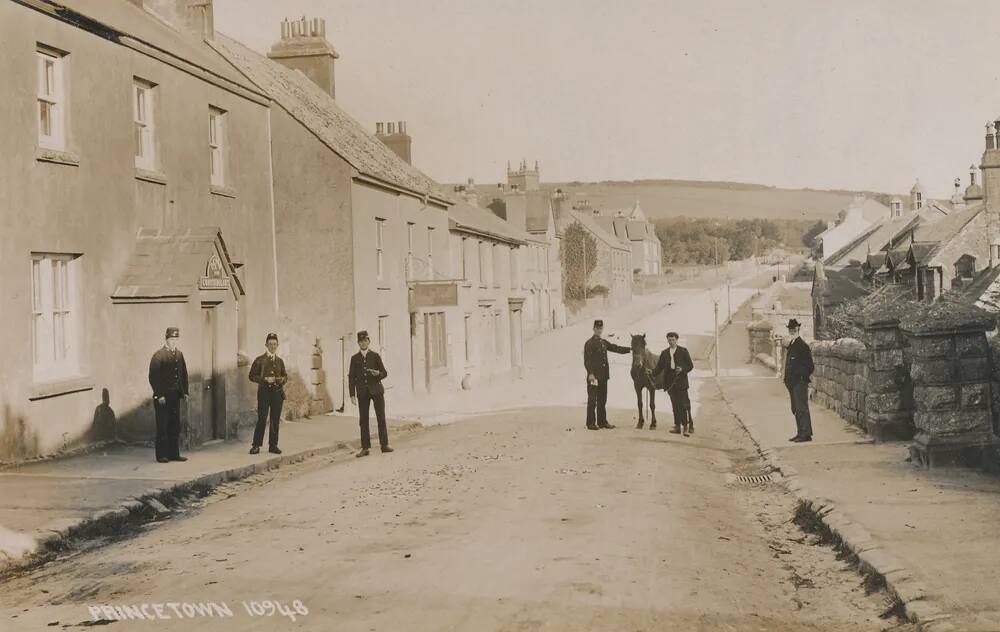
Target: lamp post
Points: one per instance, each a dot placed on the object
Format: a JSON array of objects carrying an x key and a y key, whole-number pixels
[{"x": 714, "y": 294}]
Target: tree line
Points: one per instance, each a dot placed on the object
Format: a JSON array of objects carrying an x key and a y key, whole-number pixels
[{"x": 708, "y": 241}]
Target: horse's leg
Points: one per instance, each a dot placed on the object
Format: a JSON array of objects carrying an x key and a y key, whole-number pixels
[
  {"x": 652, "y": 408},
  {"x": 638, "y": 397}
]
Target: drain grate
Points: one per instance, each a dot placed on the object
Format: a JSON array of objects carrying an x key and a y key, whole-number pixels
[{"x": 757, "y": 479}]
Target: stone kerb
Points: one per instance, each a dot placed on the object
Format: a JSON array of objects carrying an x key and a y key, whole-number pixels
[
  {"x": 888, "y": 412},
  {"x": 952, "y": 377},
  {"x": 838, "y": 381}
]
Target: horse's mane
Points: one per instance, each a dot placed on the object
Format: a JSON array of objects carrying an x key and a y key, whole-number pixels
[{"x": 646, "y": 358}]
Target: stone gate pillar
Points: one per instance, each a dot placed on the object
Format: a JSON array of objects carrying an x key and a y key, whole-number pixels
[
  {"x": 888, "y": 391},
  {"x": 760, "y": 338},
  {"x": 951, "y": 372}
]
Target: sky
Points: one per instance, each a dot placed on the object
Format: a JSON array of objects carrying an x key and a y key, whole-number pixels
[{"x": 851, "y": 94}]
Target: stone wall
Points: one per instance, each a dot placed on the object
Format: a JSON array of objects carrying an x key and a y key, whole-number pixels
[{"x": 839, "y": 380}]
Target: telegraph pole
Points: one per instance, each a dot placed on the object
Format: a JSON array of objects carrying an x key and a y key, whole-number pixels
[{"x": 716, "y": 303}]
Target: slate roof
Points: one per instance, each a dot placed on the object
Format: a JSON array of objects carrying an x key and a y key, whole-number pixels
[
  {"x": 873, "y": 239},
  {"x": 946, "y": 227},
  {"x": 920, "y": 251},
  {"x": 843, "y": 285},
  {"x": 595, "y": 228},
  {"x": 319, "y": 112},
  {"x": 167, "y": 264},
  {"x": 538, "y": 214},
  {"x": 475, "y": 219},
  {"x": 984, "y": 291},
  {"x": 895, "y": 260},
  {"x": 146, "y": 27}
]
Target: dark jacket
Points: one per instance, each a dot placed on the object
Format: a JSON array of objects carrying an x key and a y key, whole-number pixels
[
  {"x": 168, "y": 374},
  {"x": 665, "y": 374},
  {"x": 367, "y": 372},
  {"x": 595, "y": 357},
  {"x": 798, "y": 362},
  {"x": 263, "y": 367}
]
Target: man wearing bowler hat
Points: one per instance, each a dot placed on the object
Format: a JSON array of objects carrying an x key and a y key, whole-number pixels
[
  {"x": 595, "y": 361},
  {"x": 365, "y": 382},
  {"x": 268, "y": 373},
  {"x": 798, "y": 370},
  {"x": 168, "y": 378}
]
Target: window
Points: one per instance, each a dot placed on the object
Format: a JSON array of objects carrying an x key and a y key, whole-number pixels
[
  {"x": 55, "y": 330},
  {"x": 430, "y": 253},
  {"x": 142, "y": 114},
  {"x": 497, "y": 265},
  {"x": 468, "y": 337},
  {"x": 437, "y": 342},
  {"x": 383, "y": 333},
  {"x": 513, "y": 266},
  {"x": 498, "y": 332},
  {"x": 379, "y": 248},
  {"x": 51, "y": 99},
  {"x": 217, "y": 144},
  {"x": 464, "y": 266},
  {"x": 409, "y": 251},
  {"x": 482, "y": 263}
]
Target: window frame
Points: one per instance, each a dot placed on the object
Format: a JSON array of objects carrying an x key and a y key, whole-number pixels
[
  {"x": 217, "y": 123},
  {"x": 382, "y": 331},
  {"x": 56, "y": 323},
  {"x": 145, "y": 125},
  {"x": 54, "y": 99},
  {"x": 380, "y": 248}
]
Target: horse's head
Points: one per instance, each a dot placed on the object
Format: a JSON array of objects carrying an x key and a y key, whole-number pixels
[{"x": 638, "y": 342}]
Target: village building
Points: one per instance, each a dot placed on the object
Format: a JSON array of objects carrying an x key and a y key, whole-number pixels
[
  {"x": 136, "y": 196},
  {"x": 486, "y": 258},
  {"x": 859, "y": 216},
  {"x": 529, "y": 209},
  {"x": 614, "y": 259},
  {"x": 362, "y": 235},
  {"x": 632, "y": 227}
]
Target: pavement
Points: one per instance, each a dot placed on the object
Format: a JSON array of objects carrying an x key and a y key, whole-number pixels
[{"x": 931, "y": 533}]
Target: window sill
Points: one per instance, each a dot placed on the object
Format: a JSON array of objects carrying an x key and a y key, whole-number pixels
[
  {"x": 383, "y": 287},
  {"x": 61, "y": 387},
  {"x": 146, "y": 175},
  {"x": 222, "y": 190},
  {"x": 57, "y": 156}
]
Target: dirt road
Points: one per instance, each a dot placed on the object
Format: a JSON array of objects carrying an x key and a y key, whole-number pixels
[{"x": 515, "y": 521}]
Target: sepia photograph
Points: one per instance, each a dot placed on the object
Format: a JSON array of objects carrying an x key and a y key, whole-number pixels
[{"x": 500, "y": 315}]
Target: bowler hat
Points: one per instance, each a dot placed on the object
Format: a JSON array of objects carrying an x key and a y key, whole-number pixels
[
  {"x": 173, "y": 332},
  {"x": 271, "y": 337},
  {"x": 362, "y": 335},
  {"x": 794, "y": 324},
  {"x": 598, "y": 323}
]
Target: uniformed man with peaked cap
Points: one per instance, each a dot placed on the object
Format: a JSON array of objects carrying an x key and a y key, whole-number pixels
[
  {"x": 595, "y": 361},
  {"x": 168, "y": 378}
]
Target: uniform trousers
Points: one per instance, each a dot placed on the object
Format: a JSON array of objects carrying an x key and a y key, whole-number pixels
[
  {"x": 597, "y": 402},
  {"x": 168, "y": 426},
  {"x": 269, "y": 403},
  {"x": 365, "y": 400}
]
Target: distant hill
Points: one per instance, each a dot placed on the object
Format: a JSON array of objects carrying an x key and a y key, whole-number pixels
[{"x": 692, "y": 198}]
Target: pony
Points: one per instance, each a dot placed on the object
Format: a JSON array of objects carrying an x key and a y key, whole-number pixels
[{"x": 643, "y": 363}]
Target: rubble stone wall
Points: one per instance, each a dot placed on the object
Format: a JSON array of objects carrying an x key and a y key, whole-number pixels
[{"x": 839, "y": 379}]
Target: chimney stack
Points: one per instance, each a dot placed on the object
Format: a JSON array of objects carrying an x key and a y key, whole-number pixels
[
  {"x": 303, "y": 46},
  {"x": 193, "y": 17},
  {"x": 990, "y": 169},
  {"x": 395, "y": 138}
]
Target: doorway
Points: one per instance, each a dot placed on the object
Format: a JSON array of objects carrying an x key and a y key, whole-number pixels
[
  {"x": 213, "y": 396},
  {"x": 515, "y": 338}
]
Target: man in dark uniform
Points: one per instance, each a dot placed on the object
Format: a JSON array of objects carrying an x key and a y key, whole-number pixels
[
  {"x": 674, "y": 365},
  {"x": 168, "y": 377},
  {"x": 798, "y": 369},
  {"x": 595, "y": 360},
  {"x": 365, "y": 382},
  {"x": 268, "y": 373}
]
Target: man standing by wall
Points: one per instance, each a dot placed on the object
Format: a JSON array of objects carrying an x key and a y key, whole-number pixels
[
  {"x": 168, "y": 377},
  {"x": 595, "y": 360},
  {"x": 365, "y": 382},
  {"x": 268, "y": 373},
  {"x": 674, "y": 365},
  {"x": 798, "y": 369}
]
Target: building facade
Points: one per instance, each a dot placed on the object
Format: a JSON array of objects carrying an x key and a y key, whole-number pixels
[
  {"x": 614, "y": 260},
  {"x": 632, "y": 227},
  {"x": 135, "y": 196}
]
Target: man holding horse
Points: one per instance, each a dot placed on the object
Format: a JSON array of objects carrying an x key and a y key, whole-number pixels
[
  {"x": 595, "y": 361},
  {"x": 674, "y": 365}
]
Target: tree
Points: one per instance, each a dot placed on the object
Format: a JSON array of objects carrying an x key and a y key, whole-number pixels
[
  {"x": 810, "y": 235},
  {"x": 578, "y": 254}
]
